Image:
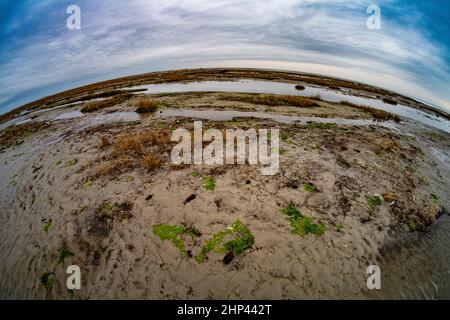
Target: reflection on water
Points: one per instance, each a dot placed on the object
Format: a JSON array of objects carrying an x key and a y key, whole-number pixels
[{"x": 256, "y": 86}]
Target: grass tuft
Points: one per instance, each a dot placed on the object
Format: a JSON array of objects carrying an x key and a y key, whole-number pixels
[
  {"x": 146, "y": 106},
  {"x": 210, "y": 183},
  {"x": 48, "y": 225},
  {"x": 310, "y": 187},
  {"x": 151, "y": 162},
  {"x": 374, "y": 201}
]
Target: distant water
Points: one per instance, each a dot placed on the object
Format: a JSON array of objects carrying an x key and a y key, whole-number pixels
[{"x": 271, "y": 87}]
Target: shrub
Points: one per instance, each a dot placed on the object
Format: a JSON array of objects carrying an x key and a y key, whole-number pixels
[{"x": 146, "y": 106}]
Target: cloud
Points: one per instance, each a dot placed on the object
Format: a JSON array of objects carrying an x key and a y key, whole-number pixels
[{"x": 321, "y": 36}]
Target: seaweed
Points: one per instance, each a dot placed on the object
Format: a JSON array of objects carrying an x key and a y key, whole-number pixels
[
  {"x": 47, "y": 280},
  {"x": 174, "y": 234},
  {"x": 302, "y": 225},
  {"x": 243, "y": 239},
  {"x": 63, "y": 254}
]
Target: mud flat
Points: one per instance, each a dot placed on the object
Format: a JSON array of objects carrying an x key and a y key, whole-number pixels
[{"x": 90, "y": 182}]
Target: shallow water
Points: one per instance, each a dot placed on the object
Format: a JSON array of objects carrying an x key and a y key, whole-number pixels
[
  {"x": 420, "y": 269},
  {"x": 228, "y": 115},
  {"x": 256, "y": 86}
]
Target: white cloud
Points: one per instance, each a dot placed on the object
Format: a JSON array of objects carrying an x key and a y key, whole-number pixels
[{"x": 320, "y": 36}]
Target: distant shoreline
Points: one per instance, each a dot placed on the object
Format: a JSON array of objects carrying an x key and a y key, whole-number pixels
[{"x": 218, "y": 74}]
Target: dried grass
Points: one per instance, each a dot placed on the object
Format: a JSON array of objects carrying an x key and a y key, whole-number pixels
[{"x": 146, "y": 106}]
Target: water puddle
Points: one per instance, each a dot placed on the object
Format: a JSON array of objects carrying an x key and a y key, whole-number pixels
[
  {"x": 271, "y": 87},
  {"x": 109, "y": 118},
  {"x": 229, "y": 115}
]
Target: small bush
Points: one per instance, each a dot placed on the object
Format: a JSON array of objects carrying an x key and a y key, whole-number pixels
[
  {"x": 151, "y": 162},
  {"x": 104, "y": 142},
  {"x": 146, "y": 106}
]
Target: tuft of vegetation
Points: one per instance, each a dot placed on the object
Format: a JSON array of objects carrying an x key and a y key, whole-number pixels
[
  {"x": 70, "y": 163},
  {"x": 434, "y": 197},
  {"x": 175, "y": 234},
  {"x": 114, "y": 211},
  {"x": 390, "y": 101},
  {"x": 306, "y": 225},
  {"x": 374, "y": 201},
  {"x": 320, "y": 125},
  {"x": 151, "y": 162},
  {"x": 48, "y": 225},
  {"x": 234, "y": 240},
  {"x": 310, "y": 187},
  {"x": 375, "y": 113},
  {"x": 63, "y": 254},
  {"x": 342, "y": 162},
  {"x": 87, "y": 184},
  {"x": 210, "y": 183},
  {"x": 104, "y": 142},
  {"x": 339, "y": 227},
  {"x": 144, "y": 149},
  {"x": 412, "y": 226},
  {"x": 194, "y": 173},
  {"x": 302, "y": 225},
  {"x": 146, "y": 106},
  {"x": 47, "y": 280},
  {"x": 102, "y": 104},
  {"x": 291, "y": 211},
  {"x": 276, "y": 100}
]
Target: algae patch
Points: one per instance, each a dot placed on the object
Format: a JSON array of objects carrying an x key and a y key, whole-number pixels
[
  {"x": 175, "y": 235},
  {"x": 302, "y": 225},
  {"x": 241, "y": 240},
  {"x": 47, "y": 225},
  {"x": 210, "y": 184},
  {"x": 63, "y": 254}
]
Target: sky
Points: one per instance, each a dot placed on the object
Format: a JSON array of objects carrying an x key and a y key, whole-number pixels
[{"x": 40, "y": 56}]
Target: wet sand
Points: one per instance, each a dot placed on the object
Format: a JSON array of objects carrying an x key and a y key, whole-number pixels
[{"x": 49, "y": 174}]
